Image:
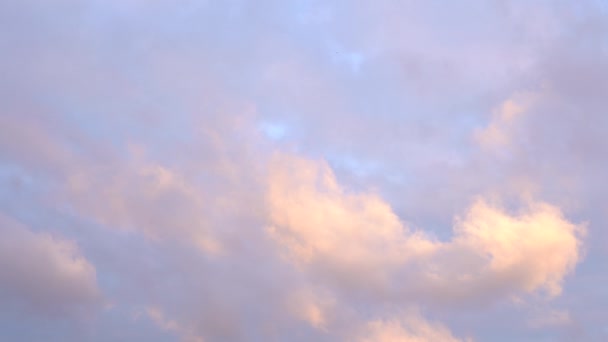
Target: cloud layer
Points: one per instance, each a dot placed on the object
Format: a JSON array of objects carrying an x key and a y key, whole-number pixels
[
  {"x": 356, "y": 240},
  {"x": 43, "y": 273},
  {"x": 303, "y": 170}
]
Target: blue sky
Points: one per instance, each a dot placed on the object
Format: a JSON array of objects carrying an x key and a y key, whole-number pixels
[{"x": 303, "y": 170}]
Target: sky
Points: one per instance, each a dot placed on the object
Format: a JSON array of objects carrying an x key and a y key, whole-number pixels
[{"x": 303, "y": 170}]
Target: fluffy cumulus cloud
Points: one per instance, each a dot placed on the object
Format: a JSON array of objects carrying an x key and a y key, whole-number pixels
[
  {"x": 303, "y": 170},
  {"x": 357, "y": 240}
]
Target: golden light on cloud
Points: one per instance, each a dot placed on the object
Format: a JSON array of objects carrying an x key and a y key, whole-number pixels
[
  {"x": 303, "y": 170},
  {"x": 358, "y": 237}
]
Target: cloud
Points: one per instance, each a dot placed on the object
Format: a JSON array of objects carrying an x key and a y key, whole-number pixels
[
  {"x": 412, "y": 328},
  {"x": 535, "y": 250},
  {"x": 43, "y": 273},
  {"x": 145, "y": 197},
  {"x": 311, "y": 307},
  {"x": 355, "y": 240},
  {"x": 186, "y": 334},
  {"x": 548, "y": 318},
  {"x": 499, "y": 131},
  {"x": 355, "y": 236},
  {"x": 145, "y": 131}
]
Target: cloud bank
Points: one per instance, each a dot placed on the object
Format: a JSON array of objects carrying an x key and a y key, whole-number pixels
[{"x": 303, "y": 170}]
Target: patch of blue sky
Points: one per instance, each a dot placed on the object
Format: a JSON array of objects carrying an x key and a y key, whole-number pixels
[
  {"x": 364, "y": 168},
  {"x": 42, "y": 328},
  {"x": 353, "y": 60},
  {"x": 307, "y": 14},
  {"x": 274, "y": 131},
  {"x": 19, "y": 195},
  {"x": 356, "y": 166},
  {"x": 13, "y": 175}
]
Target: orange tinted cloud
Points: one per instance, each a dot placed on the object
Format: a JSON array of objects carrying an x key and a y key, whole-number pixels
[{"x": 356, "y": 239}]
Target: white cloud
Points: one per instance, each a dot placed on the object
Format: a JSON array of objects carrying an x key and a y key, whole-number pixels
[{"x": 533, "y": 250}]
